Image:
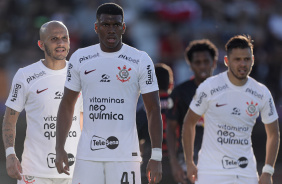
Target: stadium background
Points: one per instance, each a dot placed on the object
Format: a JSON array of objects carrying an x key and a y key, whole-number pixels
[{"x": 162, "y": 28}]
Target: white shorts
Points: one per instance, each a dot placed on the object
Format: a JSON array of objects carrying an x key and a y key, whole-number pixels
[
  {"x": 93, "y": 172},
  {"x": 225, "y": 179},
  {"x": 37, "y": 180}
]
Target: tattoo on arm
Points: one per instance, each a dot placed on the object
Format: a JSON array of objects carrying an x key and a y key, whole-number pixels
[{"x": 13, "y": 112}]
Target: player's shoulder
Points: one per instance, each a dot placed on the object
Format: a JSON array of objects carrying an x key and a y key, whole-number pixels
[
  {"x": 32, "y": 66},
  {"x": 254, "y": 82},
  {"x": 86, "y": 53},
  {"x": 31, "y": 72},
  {"x": 133, "y": 54},
  {"x": 254, "y": 85},
  {"x": 33, "y": 69}
]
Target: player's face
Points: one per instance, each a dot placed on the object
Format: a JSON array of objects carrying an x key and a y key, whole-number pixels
[
  {"x": 57, "y": 43},
  {"x": 202, "y": 65},
  {"x": 110, "y": 29},
  {"x": 239, "y": 62}
]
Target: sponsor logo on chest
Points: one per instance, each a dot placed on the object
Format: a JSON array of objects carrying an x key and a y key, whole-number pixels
[
  {"x": 232, "y": 163},
  {"x": 98, "y": 143}
]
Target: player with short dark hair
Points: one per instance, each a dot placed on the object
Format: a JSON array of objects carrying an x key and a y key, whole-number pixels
[
  {"x": 201, "y": 55},
  {"x": 231, "y": 102},
  {"x": 111, "y": 76}
]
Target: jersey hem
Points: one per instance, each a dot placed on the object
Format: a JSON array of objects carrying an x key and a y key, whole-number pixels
[
  {"x": 109, "y": 159},
  {"x": 49, "y": 176},
  {"x": 228, "y": 174}
]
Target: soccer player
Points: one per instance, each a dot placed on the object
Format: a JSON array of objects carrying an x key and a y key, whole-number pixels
[
  {"x": 231, "y": 102},
  {"x": 164, "y": 75},
  {"x": 111, "y": 76},
  {"x": 202, "y": 56},
  {"x": 38, "y": 88}
]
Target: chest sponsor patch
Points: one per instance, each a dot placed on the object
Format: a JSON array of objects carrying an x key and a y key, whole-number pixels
[
  {"x": 232, "y": 163},
  {"x": 98, "y": 143}
]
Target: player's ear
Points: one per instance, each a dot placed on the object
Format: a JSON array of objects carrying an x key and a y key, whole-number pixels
[
  {"x": 253, "y": 57},
  {"x": 123, "y": 28},
  {"x": 95, "y": 27},
  {"x": 226, "y": 61},
  {"x": 40, "y": 45}
]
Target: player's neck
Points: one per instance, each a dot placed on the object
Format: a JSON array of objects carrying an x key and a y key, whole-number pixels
[
  {"x": 235, "y": 81},
  {"x": 54, "y": 64}
]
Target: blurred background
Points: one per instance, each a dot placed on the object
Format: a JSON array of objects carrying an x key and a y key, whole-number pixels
[{"x": 162, "y": 28}]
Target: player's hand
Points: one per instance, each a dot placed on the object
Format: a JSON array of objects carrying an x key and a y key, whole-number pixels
[
  {"x": 13, "y": 167},
  {"x": 265, "y": 178},
  {"x": 178, "y": 174},
  {"x": 154, "y": 171},
  {"x": 61, "y": 162},
  {"x": 192, "y": 172}
]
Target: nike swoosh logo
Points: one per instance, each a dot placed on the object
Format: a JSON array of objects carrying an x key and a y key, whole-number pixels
[
  {"x": 87, "y": 72},
  {"x": 41, "y": 91},
  {"x": 219, "y": 105}
]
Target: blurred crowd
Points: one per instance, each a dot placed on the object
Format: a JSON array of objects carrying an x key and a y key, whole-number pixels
[{"x": 162, "y": 28}]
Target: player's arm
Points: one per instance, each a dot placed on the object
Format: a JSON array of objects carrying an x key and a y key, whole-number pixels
[
  {"x": 272, "y": 147},
  {"x": 64, "y": 121},
  {"x": 177, "y": 171},
  {"x": 188, "y": 138},
  {"x": 13, "y": 165},
  {"x": 152, "y": 105}
]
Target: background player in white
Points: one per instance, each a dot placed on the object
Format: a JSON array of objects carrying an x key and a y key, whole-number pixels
[
  {"x": 231, "y": 103},
  {"x": 111, "y": 76},
  {"x": 202, "y": 56},
  {"x": 38, "y": 88}
]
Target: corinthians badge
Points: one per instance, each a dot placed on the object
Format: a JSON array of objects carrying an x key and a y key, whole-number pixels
[
  {"x": 251, "y": 110},
  {"x": 123, "y": 74}
]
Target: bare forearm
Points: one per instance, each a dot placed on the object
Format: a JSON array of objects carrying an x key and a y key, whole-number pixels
[
  {"x": 153, "y": 111},
  {"x": 272, "y": 147},
  {"x": 9, "y": 127},
  {"x": 188, "y": 137},
  {"x": 171, "y": 139},
  {"x": 155, "y": 129},
  {"x": 64, "y": 121}
]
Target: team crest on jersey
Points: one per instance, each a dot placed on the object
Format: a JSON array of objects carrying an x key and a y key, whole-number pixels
[
  {"x": 252, "y": 108},
  {"x": 29, "y": 179},
  {"x": 123, "y": 74}
]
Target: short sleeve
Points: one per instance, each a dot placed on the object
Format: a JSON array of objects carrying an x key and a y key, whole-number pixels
[
  {"x": 147, "y": 77},
  {"x": 73, "y": 78},
  {"x": 17, "y": 96},
  {"x": 268, "y": 111},
  {"x": 199, "y": 103}
]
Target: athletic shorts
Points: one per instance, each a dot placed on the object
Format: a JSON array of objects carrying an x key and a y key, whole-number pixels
[
  {"x": 93, "y": 172},
  {"x": 37, "y": 180},
  {"x": 225, "y": 179}
]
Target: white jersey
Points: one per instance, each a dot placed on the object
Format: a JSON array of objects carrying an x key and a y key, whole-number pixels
[
  {"x": 111, "y": 84},
  {"x": 39, "y": 91},
  {"x": 230, "y": 113}
]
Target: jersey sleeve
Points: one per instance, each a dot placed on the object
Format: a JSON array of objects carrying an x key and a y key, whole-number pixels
[
  {"x": 147, "y": 77},
  {"x": 268, "y": 111},
  {"x": 199, "y": 103},
  {"x": 17, "y": 96},
  {"x": 73, "y": 78}
]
